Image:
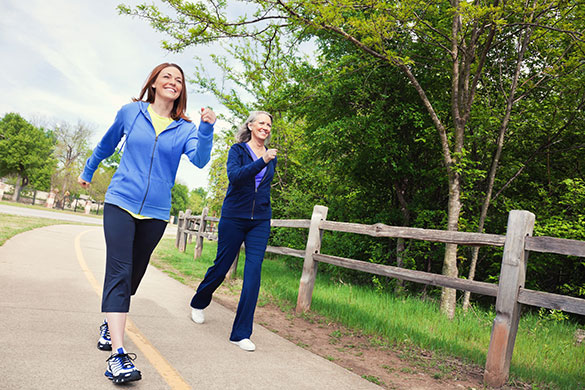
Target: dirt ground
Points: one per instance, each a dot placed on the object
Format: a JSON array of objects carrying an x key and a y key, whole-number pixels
[{"x": 389, "y": 366}]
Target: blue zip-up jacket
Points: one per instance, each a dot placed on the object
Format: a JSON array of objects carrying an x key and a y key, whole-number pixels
[
  {"x": 243, "y": 199},
  {"x": 143, "y": 181}
]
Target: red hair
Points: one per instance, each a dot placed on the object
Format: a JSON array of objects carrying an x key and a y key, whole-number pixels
[{"x": 180, "y": 103}]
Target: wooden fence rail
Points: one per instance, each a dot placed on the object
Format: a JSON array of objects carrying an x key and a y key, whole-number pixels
[{"x": 510, "y": 292}]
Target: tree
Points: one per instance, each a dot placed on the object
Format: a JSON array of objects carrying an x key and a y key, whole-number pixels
[
  {"x": 513, "y": 47},
  {"x": 25, "y": 151},
  {"x": 218, "y": 180},
  {"x": 180, "y": 198},
  {"x": 71, "y": 148},
  {"x": 364, "y": 152},
  {"x": 103, "y": 176},
  {"x": 197, "y": 200}
]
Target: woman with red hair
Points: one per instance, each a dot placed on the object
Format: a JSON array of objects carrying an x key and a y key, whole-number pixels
[{"x": 156, "y": 133}]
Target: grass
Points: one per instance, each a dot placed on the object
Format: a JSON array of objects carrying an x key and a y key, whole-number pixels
[
  {"x": 11, "y": 225},
  {"x": 544, "y": 354},
  {"x": 373, "y": 379}
]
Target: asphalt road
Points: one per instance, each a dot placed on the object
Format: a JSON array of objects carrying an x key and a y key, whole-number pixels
[{"x": 50, "y": 285}]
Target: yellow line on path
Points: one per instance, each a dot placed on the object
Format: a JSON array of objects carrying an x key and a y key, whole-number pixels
[
  {"x": 83, "y": 264},
  {"x": 164, "y": 368}
]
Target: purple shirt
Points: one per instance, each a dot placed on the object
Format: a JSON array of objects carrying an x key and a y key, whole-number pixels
[{"x": 260, "y": 175}]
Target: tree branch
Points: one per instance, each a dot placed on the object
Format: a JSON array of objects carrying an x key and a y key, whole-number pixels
[{"x": 551, "y": 141}]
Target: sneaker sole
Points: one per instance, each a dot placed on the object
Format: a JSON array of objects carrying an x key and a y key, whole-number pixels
[
  {"x": 104, "y": 347},
  {"x": 129, "y": 377}
]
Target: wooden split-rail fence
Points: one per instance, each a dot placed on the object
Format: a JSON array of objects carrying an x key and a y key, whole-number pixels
[{"x": 509, "y": 292}]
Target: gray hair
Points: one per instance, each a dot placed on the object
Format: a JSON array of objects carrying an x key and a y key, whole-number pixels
[{"x": 244, "y": 134}]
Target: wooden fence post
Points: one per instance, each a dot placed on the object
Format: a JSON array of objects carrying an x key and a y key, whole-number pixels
[
  {"x": 180, "y": 221},
  {"x": 512, "y": 277},
  {"x": 199, "y": 240},
  {"x": 310, "y": 265},
  {"x": 184, "y": 234}
]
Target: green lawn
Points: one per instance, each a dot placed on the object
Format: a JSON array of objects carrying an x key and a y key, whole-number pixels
[{"x": 11, "y": 225}]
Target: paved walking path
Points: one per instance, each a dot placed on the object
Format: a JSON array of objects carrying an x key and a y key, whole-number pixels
[
  {"x": 32, "y": 212},
  {"x": 50, "y": 279}
]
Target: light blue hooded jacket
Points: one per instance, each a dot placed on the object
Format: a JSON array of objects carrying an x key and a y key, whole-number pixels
[{"x": 143, "y": 181}]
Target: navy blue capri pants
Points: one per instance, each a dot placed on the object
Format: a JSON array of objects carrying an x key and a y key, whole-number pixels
[
  {"x": 232, "y": 232},
  {"x": 129, "y": 244}
]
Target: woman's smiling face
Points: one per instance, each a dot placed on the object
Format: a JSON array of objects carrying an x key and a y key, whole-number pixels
[
  {"x": 169, "y": 84},
  {"x": 261, "y": 127}
]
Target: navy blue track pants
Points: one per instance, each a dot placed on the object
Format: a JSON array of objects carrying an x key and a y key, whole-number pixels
[
  {"x": 231, "y": 233},
  {"x": 129, "y": 244}
]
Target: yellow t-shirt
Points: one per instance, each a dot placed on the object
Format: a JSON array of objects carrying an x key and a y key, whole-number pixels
[{"x": 160, "y": 123}]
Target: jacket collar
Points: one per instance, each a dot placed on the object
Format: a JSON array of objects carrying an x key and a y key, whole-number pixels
[
  {"x": 144, "y": 109},
  {"x": 242, "y": 145},
  {"x": 245, "y": 147}
]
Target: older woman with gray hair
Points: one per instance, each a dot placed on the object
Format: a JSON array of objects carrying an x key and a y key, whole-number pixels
[{"x": 245, "y": 218}]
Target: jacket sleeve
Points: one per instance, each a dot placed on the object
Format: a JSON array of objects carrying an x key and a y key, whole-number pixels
[
  {"x": 237, "y": 171},
  {"x": 199, "y": 143},
  {"x": 106, "y": 147}
]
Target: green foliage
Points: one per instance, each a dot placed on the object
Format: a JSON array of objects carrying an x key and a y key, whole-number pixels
[
  {"x": 552, "y": 315},
  {"x": 197, "y": 200},
  {"x": 25, "y": 151},
  {"x": 363, "y": 155},
  {"x": 102, "y": 176},
  {"x": 179, "y": 198},
  {"x": 377, "y": 118},
  {"x": 218, "y": 181},
  {"x": 113, "y": 162}
]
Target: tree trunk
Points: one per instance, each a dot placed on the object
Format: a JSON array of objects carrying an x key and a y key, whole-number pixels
[
  {"x": 471, "y": 276},
  {"x": 496, "y": 159},
  {"x": 449, "y": 295},
  {"x": 17, "y": 187},
  {"x": 400, "y": 243},
  {"x": 399, "y": 263}
]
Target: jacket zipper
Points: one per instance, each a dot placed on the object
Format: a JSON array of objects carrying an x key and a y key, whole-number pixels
[
  {"x": 149, "y": 171},
  {"x": 256, "y": 190}
]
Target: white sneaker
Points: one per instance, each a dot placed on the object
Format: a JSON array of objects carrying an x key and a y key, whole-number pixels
[
  {"x": 245, "y": 344},
  {"x": 197, "y": 316}
]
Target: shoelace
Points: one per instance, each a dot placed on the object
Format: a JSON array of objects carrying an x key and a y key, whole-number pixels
[
  {"x": 105, "y": 333},
  {"x": 126, "y": 359}
]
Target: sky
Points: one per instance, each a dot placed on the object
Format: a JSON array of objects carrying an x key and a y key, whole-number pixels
[{"x": 78, "y": 60}]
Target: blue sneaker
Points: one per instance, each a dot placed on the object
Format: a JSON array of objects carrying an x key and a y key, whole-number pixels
[
  {"x": 120, "y": 367},
  {"x": 105, "y": 342}
]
